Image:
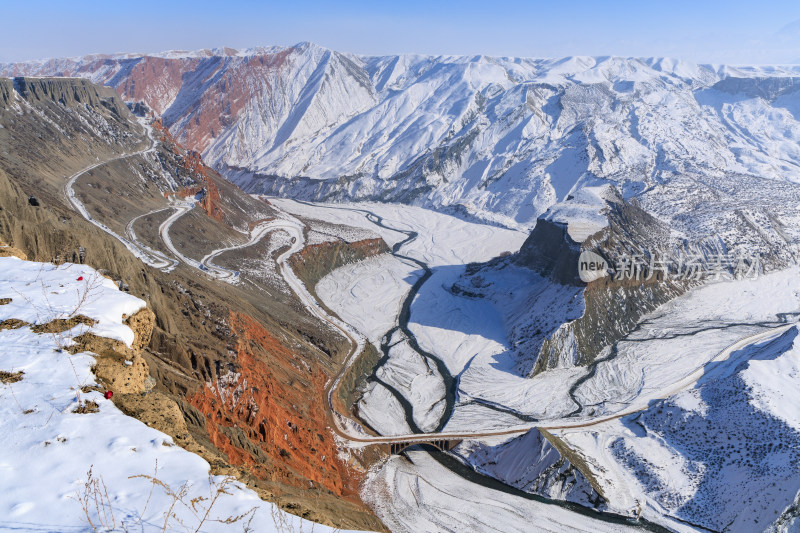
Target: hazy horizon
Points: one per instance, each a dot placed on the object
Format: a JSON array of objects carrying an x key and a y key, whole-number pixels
[{"x": 710, "y": 32}]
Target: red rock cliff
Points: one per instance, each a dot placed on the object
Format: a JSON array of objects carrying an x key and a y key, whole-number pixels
[
  {"x": 270, "y": 404},
  {"x": 191, "y": 162}
]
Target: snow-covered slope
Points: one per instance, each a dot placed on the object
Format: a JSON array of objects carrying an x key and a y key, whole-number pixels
[
  {"x": 501, "y": 138},
  {"x": 66, "y": 470},
  {"x": 722, "y": 455},
  {"x": 427, "y": 496}
]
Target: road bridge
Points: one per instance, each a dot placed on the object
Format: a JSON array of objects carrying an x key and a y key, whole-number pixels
[{"x": 441, "y": 444}]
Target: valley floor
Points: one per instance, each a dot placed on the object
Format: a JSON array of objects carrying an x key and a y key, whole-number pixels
[{"x": 675, "y": 350}]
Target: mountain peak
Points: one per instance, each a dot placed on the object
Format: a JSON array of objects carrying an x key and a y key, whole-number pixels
[{"x": 304, "y": 46}]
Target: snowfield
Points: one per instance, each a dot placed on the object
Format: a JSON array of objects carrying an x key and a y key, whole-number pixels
[
  {"x": 376, "y": 286},
  {"x": 471, "y": 335},
  {"x": 722, "y": 455},
  {"x": 477, "y": 338},
  {"x": 369, "y": 295},
  {"x": 47, "y": 450},
  {"x": 426, "y": 496},
  {"x": 41, "y": 292},
  {"x": 685, "y": 334},
  {"x": 443, "y": 239},
  {"x": 647, "y": 462}
]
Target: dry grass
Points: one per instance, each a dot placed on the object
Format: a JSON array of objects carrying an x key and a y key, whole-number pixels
[
  {"x": 60, "y": 325},
  {"x": 12, "y": 323},
  {"x": 96, "y": 505},
  {"x": 94, "y": 497},
  {"x": 10, "y": 377},
  {"x": 199, "y": 507},
  {"x": 86, "y": 407}
]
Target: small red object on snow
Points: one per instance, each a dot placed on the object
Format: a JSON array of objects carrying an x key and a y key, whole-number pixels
[
  {"x": 80, "y": 278},
  {"x": 108, "y": 394}
]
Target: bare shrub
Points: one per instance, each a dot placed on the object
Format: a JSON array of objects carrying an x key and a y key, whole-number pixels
[
  {"x": 199, "y": 507},
  {"x": 97, "y": 508},
  {"x": 96, "y": 504}
]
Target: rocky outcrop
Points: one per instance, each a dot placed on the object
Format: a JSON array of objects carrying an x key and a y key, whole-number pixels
[
  {"x": 193, "y": 165},
  {"x": 142, "y": 324},
  {"x": 612, "y": 310},
  {"x": 315, "y": 261},
  {"x": 551, "y": 252},
  {"x": 119, "y": 368},
  {"x": 583, "y": 318},
  {"x": 613, "y": 306},
  {"x": 258, "y": 414},
  {"x": 125, "y": 372},
  {"x": 70, "y": 92},
  {"x": 6, "y": 92},
  {"x": 211, "y": 201},
  {"x": 10, "y": 251}
]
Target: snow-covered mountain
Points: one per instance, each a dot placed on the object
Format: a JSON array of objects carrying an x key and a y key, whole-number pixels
[
  {"x": 632, "y": 160},
  {"x": 500, "y": 138}
]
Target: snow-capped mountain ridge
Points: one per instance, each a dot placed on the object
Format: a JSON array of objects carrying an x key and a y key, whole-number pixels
[{"x": 502, "y": 139}]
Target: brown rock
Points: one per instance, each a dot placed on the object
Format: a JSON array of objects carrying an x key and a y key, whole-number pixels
[
  {"x": 160, "y": 412},
  {"x": 12, "y": 323},
  {"x": 142, "y": 323},
  {"x": 10, "y": 377},
  {"x": 121, "y": 375},
  {"x": 9, "y": 251}
]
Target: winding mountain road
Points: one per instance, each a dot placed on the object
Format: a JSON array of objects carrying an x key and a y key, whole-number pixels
[
  {"x": 344, "y": 426},
  {"x": 131, "y": 234},
  {"x": 181, "y": 208},
  {"x": 341, "y": 424},
  {"x": 295, "y": 229},
  {"x": 149, "y": 256}
]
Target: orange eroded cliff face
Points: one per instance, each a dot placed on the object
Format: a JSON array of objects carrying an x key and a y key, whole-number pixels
[
  {"x": 220, "y": 107},
  {"x": 211, "y": 200},
  {"x": 156, "y": 81},
  {"x": 327, "y": 256},
  {"x": 277, "y": 400},
  {"x": 193, "y": 164},
  {"x": 366, "y": 247}
]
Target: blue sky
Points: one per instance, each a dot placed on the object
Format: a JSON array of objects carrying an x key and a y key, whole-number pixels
[{"x": 702, "y": 31}]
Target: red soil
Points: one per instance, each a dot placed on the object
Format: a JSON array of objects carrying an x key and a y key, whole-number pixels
[{"x": 277, "y": 400}]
